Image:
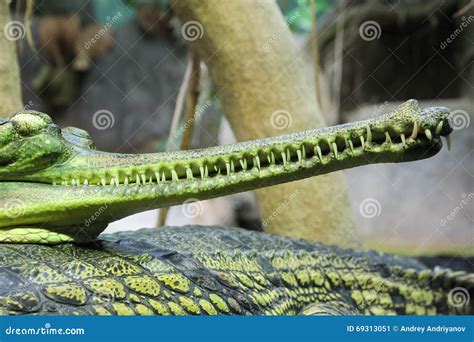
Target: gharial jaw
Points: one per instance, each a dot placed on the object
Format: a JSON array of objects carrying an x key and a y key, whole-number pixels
[{"x": 80, "y": 180}]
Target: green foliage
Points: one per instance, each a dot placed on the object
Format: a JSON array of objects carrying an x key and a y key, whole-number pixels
[{"x": 298, "y": 12}]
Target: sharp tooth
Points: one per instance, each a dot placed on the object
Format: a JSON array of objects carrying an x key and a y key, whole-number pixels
[
  {"x": 369, "y": 134},
  {"x": 362, "y": 142},
  {"x": 388, "y": 140},
  {"x": 102, "y": 181},
  {"x": 448, "y": 142},
  {"x": 439, "y": 127},
  {"x": 334, "y": 148},
  {"x": 288, "y": 155},
  {"x": 174, "y": 175},
  {"x": 137, "y": 178},
  {"x": 243, "y": 163},
  {"x": 300, "y": 158},
  {"x": 86, "y": 182},
  {"x": 402, "y": 136},
  {"x": 206, "y": 171},
  {"x": 257, "y": 161},
  {"x": 112, "y": 181},
  {"x": 319, "y": 152},
  {"x": 125, "y": 182},
  {"x": 157, "y": 176},
  {"x": 232, "y": 165},
  {"x": 428, "y": 134},
  {"x": 150, "y": 180},
  {"x": 73, "y": 182},
  {"x": 189, "y": 174},
  {"x": 117, "y": 181},
  {"x": 227, "y": 167},
  {"x": 143, "y": 179},
  {"x": 163, "y": 177},
  {"x": 201, "y": 170},
  {"x": 351, "y": 145},
  {"x": 269, "y": 159},
  {"x": 303, "y": 151},
  {"x": 283, "y": 157},
  {"x": 414, "y": 134},
  {"x": 272, "y": 156}
]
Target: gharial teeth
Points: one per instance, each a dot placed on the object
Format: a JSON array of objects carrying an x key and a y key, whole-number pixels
[
  {"x": 125, "y": 181},
  {"x": 143, "y": 179},
  {"x": 201, "y": 170},
  {"x": 319, "y": 152},
  {"x": 448, "y": 142},
  {"x": 257, "y": 161},
  {"x": 227, "y": 168},
  {"x": 362, "y": 142},
  {"x": 157, "y": 176},
  {"x": 103, "y": 182},
  {"x": 439, "y": 127},
  {"x": 174, "y": 175},
  {"x": 402, "y": 136},
  {"x": 300, "y": 158},
  {"x": 369, "y": 134},
  {"x": 189, "y": 174},
  {"x": 334, "y": 148},
  {"x": 388, "y": 140},
  {"x": 351, "y": 145},
  {"x": 243, "y": 163},
  {"x": 428, "y": 134},
  {"x": 137, "y": 178},
  {"x": 414, "y": 134},
  {"x": 283, "y": 157}
]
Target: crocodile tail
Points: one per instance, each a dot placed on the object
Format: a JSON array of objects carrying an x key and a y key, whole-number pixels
[{"x": 458, "y": 291}]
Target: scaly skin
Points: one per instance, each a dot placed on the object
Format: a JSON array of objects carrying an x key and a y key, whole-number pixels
[
  {"x": 55, "y": 187},
  {"x": 215, "y": 270}
]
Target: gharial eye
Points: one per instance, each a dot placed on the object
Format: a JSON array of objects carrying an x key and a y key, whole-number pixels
[{"x": 28, "y": 124}]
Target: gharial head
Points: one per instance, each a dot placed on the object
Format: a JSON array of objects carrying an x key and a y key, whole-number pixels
[{"x": 63, "y": 181}]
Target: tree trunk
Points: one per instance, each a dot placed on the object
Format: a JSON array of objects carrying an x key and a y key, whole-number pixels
[
  {"x": 10, "y": 90},
  {"x": 265, "y": 91}
]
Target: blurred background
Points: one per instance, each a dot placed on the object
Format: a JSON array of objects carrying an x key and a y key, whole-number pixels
[{"x": 115, "y": 68}]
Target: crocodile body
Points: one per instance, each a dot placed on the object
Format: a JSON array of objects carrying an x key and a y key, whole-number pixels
[{"x": 214, "y": 270}]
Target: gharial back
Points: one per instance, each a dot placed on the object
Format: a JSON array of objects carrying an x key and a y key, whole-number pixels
[{"x": 216, "y": 270}]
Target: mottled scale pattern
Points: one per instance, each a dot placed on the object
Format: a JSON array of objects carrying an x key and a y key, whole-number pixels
[{"x": 196, "y": 270}]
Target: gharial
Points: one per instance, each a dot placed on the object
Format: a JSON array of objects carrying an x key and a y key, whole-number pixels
[{"x": 57, "y": 193}]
